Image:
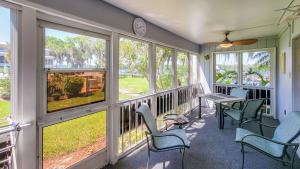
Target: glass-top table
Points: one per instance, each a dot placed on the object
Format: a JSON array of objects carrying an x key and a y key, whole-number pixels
[{"x": 218, "y": 99}]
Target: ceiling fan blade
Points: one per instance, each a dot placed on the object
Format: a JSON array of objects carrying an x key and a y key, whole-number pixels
[{"x": 244, "y": 42}]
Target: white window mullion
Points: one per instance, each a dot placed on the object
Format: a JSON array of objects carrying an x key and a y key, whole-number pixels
[
  {"x": 189, "y": 68},
  {"x": 175, "y": 85},
  {"x": 174, "y": 65},
  {"x": 240, "y": 67}
]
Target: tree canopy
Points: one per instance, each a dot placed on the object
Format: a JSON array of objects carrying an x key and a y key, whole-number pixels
[{"x": 77, "y": 51}]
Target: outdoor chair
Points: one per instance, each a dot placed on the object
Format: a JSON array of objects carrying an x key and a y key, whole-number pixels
[
  {"x": 249, "y": 112},
  {"x": 277, "y": 146},
  {"x": 173, "y": 139},
  {"x": 237, "y": 92}
]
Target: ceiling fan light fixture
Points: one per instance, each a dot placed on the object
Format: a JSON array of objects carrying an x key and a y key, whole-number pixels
[{"x": 226, "y": 45}]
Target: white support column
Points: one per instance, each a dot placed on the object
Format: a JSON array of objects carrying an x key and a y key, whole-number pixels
[
  {"x": 114, "y": 122},
  {"x": 27, "y": 146},
  {"x": 189, "y": 80},
  {"x": 189, "y": 68},
  {"x": 152, "y": 75}
]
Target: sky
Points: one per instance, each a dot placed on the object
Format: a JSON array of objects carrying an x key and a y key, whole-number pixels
[
  {"x": 5, "y": 27},
  {"x": 59, "y": 34},
  {"x": 5, "y": 24}
]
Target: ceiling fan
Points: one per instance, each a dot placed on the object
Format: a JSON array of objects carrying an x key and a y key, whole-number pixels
[{"x": 226, "y": 43}]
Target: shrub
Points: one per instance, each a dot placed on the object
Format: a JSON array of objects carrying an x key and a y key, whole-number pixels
[
  {"x": 5, "y": 88},
  {"x": 73, "y": 86},
  {"x": 56, "y": 96}
]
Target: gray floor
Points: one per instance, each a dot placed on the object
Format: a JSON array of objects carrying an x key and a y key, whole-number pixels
[{"x": 211, "y": 148}]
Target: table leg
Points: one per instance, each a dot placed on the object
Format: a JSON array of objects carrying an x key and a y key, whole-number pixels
[
  {"x": 220, "y": 115},
  {"x": 200, "y": 107}
]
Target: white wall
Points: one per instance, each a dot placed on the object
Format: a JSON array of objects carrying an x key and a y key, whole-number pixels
[
  {"x": 285, "y": 80},
  {"x": 285, "y": 89}
]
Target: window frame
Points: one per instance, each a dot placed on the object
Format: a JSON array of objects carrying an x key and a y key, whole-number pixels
[
  {"x": 15, "y": 45},
  {"x": 42, "y": 25},
  {"x": 239, "y": 54},
  {"x": 45, "y": 119},
  {"x": 49, "y": 122},
  {"x": 150, "y": 91}
]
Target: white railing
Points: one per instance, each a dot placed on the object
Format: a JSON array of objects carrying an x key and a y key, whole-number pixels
[
  {"x": 255, "y": 92},
  {"x": 9, "y": 132},
  {"x": 132, "y": 128}
]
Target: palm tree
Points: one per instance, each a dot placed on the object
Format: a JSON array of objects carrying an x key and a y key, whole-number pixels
[{"x": 261, "y": 65}]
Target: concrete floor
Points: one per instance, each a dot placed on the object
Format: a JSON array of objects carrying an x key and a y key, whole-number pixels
[{"x": 211, "y": 148}]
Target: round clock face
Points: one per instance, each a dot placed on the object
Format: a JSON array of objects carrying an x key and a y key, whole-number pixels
[{"x": 139, "y": 27}]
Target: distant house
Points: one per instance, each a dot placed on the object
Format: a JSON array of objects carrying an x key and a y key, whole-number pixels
[{"x": 4, "y": 65}]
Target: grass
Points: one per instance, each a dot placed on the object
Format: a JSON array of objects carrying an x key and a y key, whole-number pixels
[
  {"x": 72, "y": 135},
  {"x": 134, "y": 86},
  {"x": 72, "y": 102},
  {"x": 4, "y": 108}
]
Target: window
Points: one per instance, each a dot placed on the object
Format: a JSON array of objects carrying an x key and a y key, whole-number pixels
[
  {"x": 256, "y": 68},
  {"x": 226, "y": 68},
  {"x": 69, "y": 142},
  {"x": 76, "y": 69},
  {"x": 75, "y": 74},
  {"x": 164, "y": 68},
  {"x": 6, "y": 75},
  {"x": 133, "y": 69},
  {"x": 252, "y": 68},
  {"x": 182, "y": 69}
]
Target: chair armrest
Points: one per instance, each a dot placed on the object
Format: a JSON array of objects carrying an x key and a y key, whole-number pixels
[
  {"x": 165, "y": 118},
  {"x": 171, "y": 114},
  {"x": 257, "y": 121},
  {"x": 233, "y": 104},
  {"x": 266, "y": 138}
]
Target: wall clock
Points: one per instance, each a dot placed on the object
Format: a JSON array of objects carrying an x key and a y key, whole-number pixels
[{"x": 139, "y": 27}]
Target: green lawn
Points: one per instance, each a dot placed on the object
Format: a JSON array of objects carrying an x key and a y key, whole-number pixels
[
  {"x": 4, "y": 108},
  {"x": 72, "y": 135},
  {"x": 68, "y": 103},
  {"x": 131, "y": 87}
]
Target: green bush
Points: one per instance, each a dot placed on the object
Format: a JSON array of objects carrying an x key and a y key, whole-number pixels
[
  {"x": 5, "y": 88},
  {"x": 73, "y": 86},
  {"x": 56, "y": 96}
]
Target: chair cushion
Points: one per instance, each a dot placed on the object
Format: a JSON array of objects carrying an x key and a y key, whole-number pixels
[
  {"x": 289, "y": 128},
  {"x": 171, "y": 141},
  {"x": 235, "y": 114},
  {"x": 267, "y": 146}
]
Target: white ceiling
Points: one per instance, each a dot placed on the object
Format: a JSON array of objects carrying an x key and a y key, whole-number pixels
[{"x": 203, "y": 21}]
